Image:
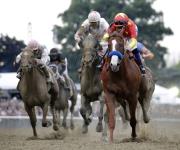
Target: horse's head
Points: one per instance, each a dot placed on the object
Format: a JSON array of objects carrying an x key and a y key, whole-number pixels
[
  {"x": 116, "y": 52},
  {"x": 90, "y": 45},
  {"x": 27, "y": 58}
]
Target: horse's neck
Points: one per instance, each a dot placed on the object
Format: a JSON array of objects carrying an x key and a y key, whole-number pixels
[
  {"x": 33, "y": 79},
  {"x": 90, "y": 72},
  {"x": 128, "y": 66}
]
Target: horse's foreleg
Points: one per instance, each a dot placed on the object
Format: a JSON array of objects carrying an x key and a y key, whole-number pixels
[
  {"x": 99, "y": 126},
  {"x": 73, "y": 103},
  {"x": 58, "y": 112},
  {"x": 54, "y": 97},
  {"x": 132, "y": 109},
  {"x": 45, "y": 123},
  {"x": 54, "y": 113},
  {"x": 110, "y": 103},
  {"x": 65, "y": 113},
  {"x": 145, "y": 104},
  {"x": 84, "y": 114},
  {"x": 33, "y": 120},
  {"x": 125, "y": 109},
  {"x": 104, "y": 133}
]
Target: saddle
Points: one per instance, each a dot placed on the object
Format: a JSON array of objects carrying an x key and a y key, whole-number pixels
[{"x": 61, "y": 77}]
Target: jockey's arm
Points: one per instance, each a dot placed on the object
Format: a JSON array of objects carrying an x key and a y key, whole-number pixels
[
  {"x": 79, "y": 35},
  {"x": 45, "y": 57},
  {"x": 147, "y": 54},
  {"x": 18, "y": 58}
]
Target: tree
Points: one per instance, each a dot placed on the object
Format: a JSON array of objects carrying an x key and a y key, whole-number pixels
[
  {"x": 9, "y": 49},
  {"x": 150, "y": 25}
]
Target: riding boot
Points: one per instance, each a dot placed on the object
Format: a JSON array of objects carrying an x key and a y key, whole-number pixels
[
  {"x": 138, "y": 61},
  {"x": 100, "y": 64},
  {"x": 19, "y": 73}
]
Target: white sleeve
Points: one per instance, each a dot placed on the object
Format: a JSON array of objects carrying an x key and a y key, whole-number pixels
[
  {"x": 78, "y": 35},
  {"x": 66, "y": 70},
  {"x": 45, "y": 56},
  {"x": 106, "y": 24},
  {"x": 18, "y": 58}
]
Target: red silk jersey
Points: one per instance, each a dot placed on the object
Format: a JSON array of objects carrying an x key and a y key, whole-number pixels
[{"x": 130, "y": 30}]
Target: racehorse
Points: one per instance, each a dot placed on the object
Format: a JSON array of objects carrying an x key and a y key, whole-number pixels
[
  {"x": 35, "y": 91},
  {"x": 123, "y": 83},
  {"x": 64, "y": 95},
  {"x": 91, "y": 86}
]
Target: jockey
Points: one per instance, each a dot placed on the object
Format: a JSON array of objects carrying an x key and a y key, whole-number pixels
[
  {"x": 95, "y": 25},
  {"x": 125, "y": 27},
  {"x": 146, "y": 53},
  {"x": 41, "y": 57},
  {"x": 57, "y": 58}
]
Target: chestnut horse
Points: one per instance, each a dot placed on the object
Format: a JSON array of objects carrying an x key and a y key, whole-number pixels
[{"x": 123, "y": 83}]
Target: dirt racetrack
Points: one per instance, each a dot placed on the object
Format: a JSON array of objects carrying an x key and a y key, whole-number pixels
[{"x": 157, "y": 135}]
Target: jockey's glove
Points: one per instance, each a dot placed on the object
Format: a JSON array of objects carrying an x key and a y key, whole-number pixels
[{"x": 38, "y": 61}]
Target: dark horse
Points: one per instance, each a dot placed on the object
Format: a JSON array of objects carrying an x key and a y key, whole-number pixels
[
  {"x": 123, "y": 82},
  {"x": 35, "y": 91},
  {"x": 64, "y": 95},
  {"x": 91, "y": 86}
]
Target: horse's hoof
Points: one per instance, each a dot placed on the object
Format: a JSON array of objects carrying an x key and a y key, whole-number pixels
[
  {"x": 136, "y": 140},
  {"x": 146, "y": 119},
  {"x": 89, "y": 120},
  {"x": 72, "y": 126},
  {"x": 105, "y": 139},
  {"x": 32, "y": 138},
  {"x": 46, "y": 124},
  {"x": 85, "y": 129},
  {"x": 64, "y": 125},
  {"x": 55, "y": 127},
  {"x": 99, "y": 127}
]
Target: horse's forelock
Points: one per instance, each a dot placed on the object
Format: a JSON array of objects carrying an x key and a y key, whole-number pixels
[
  {"x": 89, "y": 42},
  {"x": 27, "y": 52}
]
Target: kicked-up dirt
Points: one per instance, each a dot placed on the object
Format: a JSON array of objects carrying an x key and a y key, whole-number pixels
[{"x": 157, "y": 135}]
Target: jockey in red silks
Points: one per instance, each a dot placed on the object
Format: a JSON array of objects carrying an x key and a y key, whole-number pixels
[{"x": 126, "y": 28}]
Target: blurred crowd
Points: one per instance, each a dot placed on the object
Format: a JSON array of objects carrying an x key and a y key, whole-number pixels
[
  {"x": 15, "y": 107},
  {"x": 12, "y": 107}
]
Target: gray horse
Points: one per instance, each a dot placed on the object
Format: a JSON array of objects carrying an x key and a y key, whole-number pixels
[
  {"x": 64, "y": 95},
  {"x": 35, "y": 91},
  {"x": 91, "y": 87}
]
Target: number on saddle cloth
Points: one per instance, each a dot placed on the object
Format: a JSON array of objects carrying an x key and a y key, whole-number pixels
[{"x": 54, "y": 68}]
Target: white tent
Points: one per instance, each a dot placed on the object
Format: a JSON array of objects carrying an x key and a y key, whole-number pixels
[
  {"x": 8, "y": 81},
  {"x": 163, "y": 95}
]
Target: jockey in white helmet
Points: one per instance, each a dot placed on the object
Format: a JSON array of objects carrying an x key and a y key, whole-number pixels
[{"x": 95, "y": 25}]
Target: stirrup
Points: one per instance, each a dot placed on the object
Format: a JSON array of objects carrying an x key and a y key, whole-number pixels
[
  {"x": 18, "y": 76},
  {"x": 99, "y": 66},
  {"x": 143, "y": 70}
]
